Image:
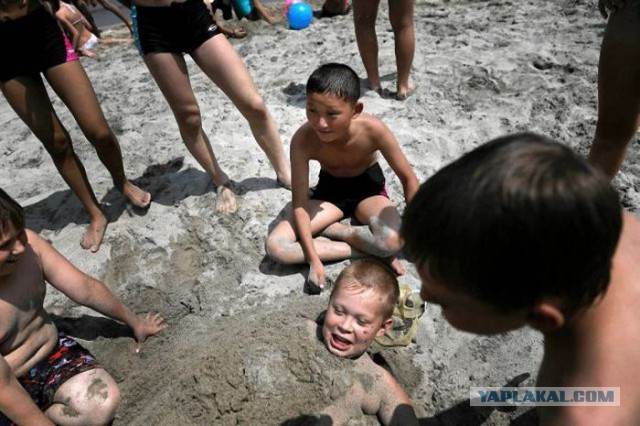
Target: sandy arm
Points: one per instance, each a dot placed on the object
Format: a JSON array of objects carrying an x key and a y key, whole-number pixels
[
  {"x": 390, "y": 149},
  {"x": 88, "y": 291},
  {"x": 395, "y": 407},
  {"x": 300, "y": 199},
  {"x": 15, "y": 402}
]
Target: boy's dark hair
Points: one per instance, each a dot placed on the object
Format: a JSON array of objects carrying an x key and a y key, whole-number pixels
[
  {"x": 10, "y": 213},
  {"x": 335, "y": 79},
  {"x": 369, "y": 274},
  {"x": 517, "y": 220}
]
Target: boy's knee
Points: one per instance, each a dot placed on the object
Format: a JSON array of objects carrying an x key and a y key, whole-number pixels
[
  {"x": 100, "y": 136},
  {"x": 189, "y": 119},
  {"x": 101, "y": 407},
  {"x": 256, "y": 109},
  {"x": 59, "y": 146},
  {"x": 275, "y": 248}
]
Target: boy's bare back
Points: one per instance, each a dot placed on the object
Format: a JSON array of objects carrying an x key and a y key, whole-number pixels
[{"x": 603, "y": 347}]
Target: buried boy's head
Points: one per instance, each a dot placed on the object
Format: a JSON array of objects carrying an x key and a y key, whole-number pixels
[
  {"x": 520, "y": 230},
  {"x": 360, "y": 308}
]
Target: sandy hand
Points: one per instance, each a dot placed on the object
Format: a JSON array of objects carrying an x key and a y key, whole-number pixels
[
  {"x": 136, "y": 196},
  {"x": 226, "y": 200},
  {"x": 315, "y": 280},
  {"x": 147, "y": 326},
  {"x": 92, "y": 237}
]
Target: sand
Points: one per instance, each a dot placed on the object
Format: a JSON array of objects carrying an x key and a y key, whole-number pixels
[{"x": 233, "y": 353}]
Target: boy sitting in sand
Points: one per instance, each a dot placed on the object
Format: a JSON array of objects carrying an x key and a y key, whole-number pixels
[
  {"x": 344, "y": 140},
  {"x": 522, "y": 231},
  {"x": 79, "y": 29},
  {"x": 39, "y": 368},
  {"x": 359, "y": 310}
]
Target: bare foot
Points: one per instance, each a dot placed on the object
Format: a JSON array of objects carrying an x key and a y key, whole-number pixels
[
  {"x": 92, "y": 237},
  {"x": 136, "y": 196},
  {"x": 403, "y": 93},
  {"x": 395, "y": 265},
  {"x": 226, "y": 199}
]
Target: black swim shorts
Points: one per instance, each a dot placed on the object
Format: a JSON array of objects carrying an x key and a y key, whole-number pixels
[{"x": 178, "y": 28}]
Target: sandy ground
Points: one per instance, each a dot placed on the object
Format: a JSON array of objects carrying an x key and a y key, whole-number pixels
[{"x": 234, "y": 353}]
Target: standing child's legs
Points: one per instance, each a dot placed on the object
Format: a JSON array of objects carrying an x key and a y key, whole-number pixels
[
  {"x": 169, "y": 70},
  {"x": 71, "y": 84},
  {"x": 282, "y": 245},
  {"x": 618, "y": 89},
  {"x": 29, "y": 99},
  {"x": 401, "y": 17},
  {"x": 88, "y": 398},
  {"x": 220, "y": 62},
  {"x": 381, "y": 236},
  {"x": 365, "y": 13}
]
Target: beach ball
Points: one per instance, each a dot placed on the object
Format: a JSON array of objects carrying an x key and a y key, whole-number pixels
[
  {"x": 300, "y": 15},
  {"x": 288, "y": 4}
]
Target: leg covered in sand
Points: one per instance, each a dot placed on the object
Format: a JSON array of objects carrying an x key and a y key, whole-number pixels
[
  {"x": 282, "y": 243},
  {"x": 88, "y": 398},
  {"x": 170, "y": 73},
  {"x": 618, "y": 89},
  {"x": 380, "y": 236},
  {"x": 220, "y": 62}
]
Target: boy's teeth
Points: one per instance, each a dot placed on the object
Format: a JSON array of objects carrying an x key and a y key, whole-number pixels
[{"x": 340, "y": 339}]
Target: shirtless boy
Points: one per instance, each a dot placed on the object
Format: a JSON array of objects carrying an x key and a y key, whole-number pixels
[
  {"x": 359, "y": 310},
  {"x": 524, "y": 232},
  {"x": 47, "y": 378},
  {"x": 345, "y": 141}
]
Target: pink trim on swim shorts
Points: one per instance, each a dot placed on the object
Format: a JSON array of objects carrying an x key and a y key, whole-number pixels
[{"x": 71, "y": 52}]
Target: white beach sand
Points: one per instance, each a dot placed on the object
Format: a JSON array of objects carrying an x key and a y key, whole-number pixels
[{"x": 232, "y": 354}]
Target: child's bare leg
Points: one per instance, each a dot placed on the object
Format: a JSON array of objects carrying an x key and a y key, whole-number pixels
[
  {"x": 29, "y": 99},
  {"x": 380, "y": 238},
  {"x": 220, "y": 62},
  {"x": 282, "y": 243},
  {"x": 170, "y": 73},
  {"x": 618, "y": 89},
  {"x": 401, "y": 17},
  {"x": 365, "y": 13},
  {"x": 89, "y": 398},
  {"x": 72, "y": 85}
]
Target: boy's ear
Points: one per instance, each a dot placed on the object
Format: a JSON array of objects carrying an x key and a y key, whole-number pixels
[
  {"x": 546, "y": 317},
  {"x": 358, "y": 108},
  {"x": 386, "y": 325}
]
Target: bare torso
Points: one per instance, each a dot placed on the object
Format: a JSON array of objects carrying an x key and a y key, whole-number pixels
[
  {"x": 27, "y": 334},
  {"x": 346, "y": 158},
  {"x": 603, "y": 348}
]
